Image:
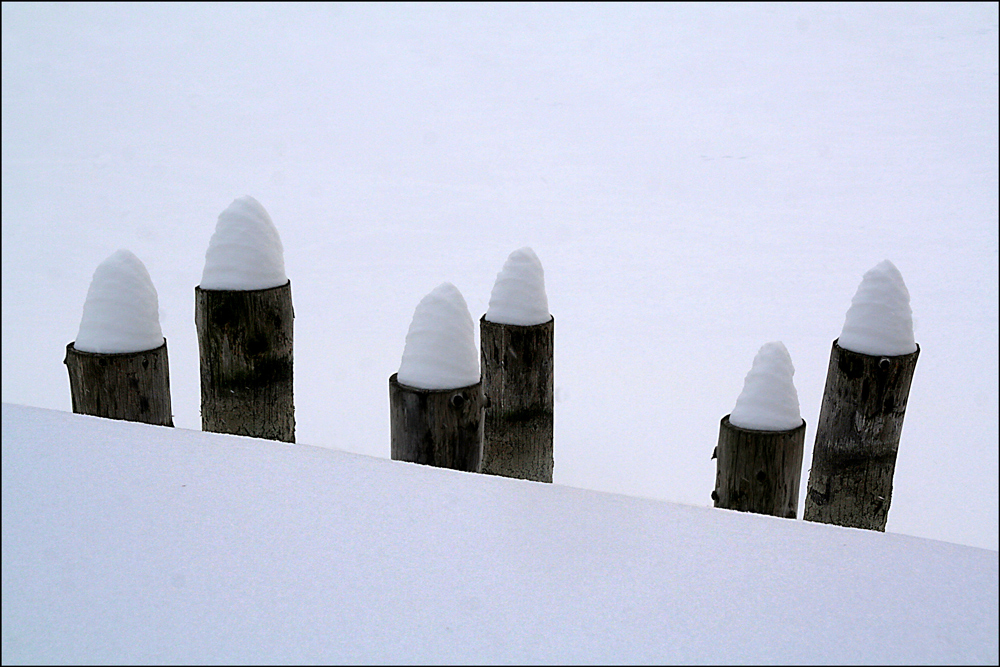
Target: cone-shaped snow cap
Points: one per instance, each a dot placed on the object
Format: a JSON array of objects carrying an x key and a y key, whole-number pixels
[
  {"x": 245, "y": 252},
  {"x": 440, "y": 351},
  {"x": 769, "y": 401},
  {"x": 122, "y": 311},
  {"x": 518, "y": 295},
  {"x": 880, "y": 321}
]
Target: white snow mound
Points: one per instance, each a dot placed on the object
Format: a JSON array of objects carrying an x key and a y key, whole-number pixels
[
  {"x": 440, "y": 350},
  {"x": 768, "y": 401},
  {"x": 121, "y": 313},
  {"x": 880, "y": 321},
  {"x": 518, "y": 295},
  {"x": 245, "y": 252}
]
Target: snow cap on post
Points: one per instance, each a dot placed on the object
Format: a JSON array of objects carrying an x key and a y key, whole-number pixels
[
  {"x": 245, "y": 252},
  {"x": 122, "y": 312},
  {"x": 518, "y": 295},
  {"x": 880, "y": 321},
  {"x": 768, "y": 401},
  {"x": 440, "y": 350}
]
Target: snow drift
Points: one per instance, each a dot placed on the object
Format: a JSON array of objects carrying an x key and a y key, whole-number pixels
[
  {"x": 768, "y": 401},
  {"x": 245, "y": 252},
  {"x": 130, "y": 543},
  {"x": 121, "y": 313}
]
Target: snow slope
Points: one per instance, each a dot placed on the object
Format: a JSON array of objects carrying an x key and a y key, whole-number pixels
[
  {"x": 129, "y": 543},
  {"x": 696, "y": 178}
]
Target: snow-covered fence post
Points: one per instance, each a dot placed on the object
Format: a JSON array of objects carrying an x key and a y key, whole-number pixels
[
  {"x": 864, "y": 402},
  {"x": 759, "y": 455},
  {"x": 118, "y": 365},
  {"x": 436, "y": 399},
  {"x": 244, "y": 318},
  {"x": 517, "y": 336}
]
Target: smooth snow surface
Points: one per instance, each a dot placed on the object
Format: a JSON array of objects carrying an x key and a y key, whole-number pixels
[
  {"x": 126, "y": 543},
  {"x": 121, "y": 313},
  {"x": 768, "y": 401},
  {"x": 518, "y": 295},
  {"x": 245, "y": 252},
  {"x": 880, "y": 321},
  {"x": 440, "y": 351}
]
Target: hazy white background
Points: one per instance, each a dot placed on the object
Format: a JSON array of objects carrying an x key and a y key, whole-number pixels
[{"x": 696, "y": 180}]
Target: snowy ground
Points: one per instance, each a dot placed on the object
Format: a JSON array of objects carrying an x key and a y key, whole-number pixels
[
  {"x": 130, "y": 543},
  {"x": 696, "y": 180}
]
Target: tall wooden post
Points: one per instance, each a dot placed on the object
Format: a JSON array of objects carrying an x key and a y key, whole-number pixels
[
  {"x": 860, "y": 421},
  {"x": 438, "y": 427},
  {"x": 517, "y": 363},
  {"x": 245, "y": 346},
  {"x": 758, "y": 471},
  {"x": 134, "y": 386}
]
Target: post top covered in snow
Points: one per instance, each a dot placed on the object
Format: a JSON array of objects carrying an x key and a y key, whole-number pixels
[
  {"x": 121, "y": 313},
  {"x": 440, "y": 350},
  {"x": 245, "y": 252},
  {"x": 768, "y": 401},
  {"x": 518, "y": 295},
  {"x": 880, "y": 321}
]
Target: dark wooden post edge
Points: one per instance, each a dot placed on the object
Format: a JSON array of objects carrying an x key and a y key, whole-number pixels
[
  {"x": 438, "y": 427},
  {"x": 245, "y": 344},
  {"x": 857, "y": 438},
  {"x": 517, "y": 370},
  {"x": 758, "y": 471},
  {"x": 131, "y": 386}
]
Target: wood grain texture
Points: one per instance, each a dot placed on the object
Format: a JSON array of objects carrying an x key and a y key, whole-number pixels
[
  {"x": 759, "y": 471},
  {"x": 133, "y": 386},
  {"x": 245, "y": 349},
  {"x": 518, "y": 364},
  {"x": 857, "y": 438},
  {"x": 442, "y": 428}
]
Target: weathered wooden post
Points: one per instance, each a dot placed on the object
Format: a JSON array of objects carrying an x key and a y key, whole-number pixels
[
  {"x": 244, "y": 318},
  {"x": 436, "y": 399},
  {"x": 759, "y": 455},
  {"x": 864, "y": 402},
  {"x": 118, "y": 365},
  {"x": 517, "y": 336}
]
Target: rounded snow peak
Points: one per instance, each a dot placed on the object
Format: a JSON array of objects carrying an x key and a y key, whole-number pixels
[
  {"x": 245, "y": 252},
  {"x": 440, "y": 350},
  {"x": 768, "y": 401},
  {"x": 880, "y": 321},
  {"x": 518, "y": 295},
  {"x": 122, "y": 311}
]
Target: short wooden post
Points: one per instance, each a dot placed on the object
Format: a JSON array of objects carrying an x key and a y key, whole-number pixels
[
  {"x": 517, "y": 364},
  {"x": 245, "y": 346},
  {"x": 134, "y": 386},
  {"x": 438, "y": 427},
  {"x": 860, "y": 421},
  {"x": 758, "y": 471}
]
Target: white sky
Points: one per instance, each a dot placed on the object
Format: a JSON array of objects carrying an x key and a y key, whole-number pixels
[{"x": 696, "y": 181}]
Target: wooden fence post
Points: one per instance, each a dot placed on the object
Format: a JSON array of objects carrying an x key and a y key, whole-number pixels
[
  {"x": 758, "y": 471},
  {"x": 245, "y": 346},
  {"x": 438, "y": 427},
  {"x": 134, "y": 386},
  {"x": 517, "y": 366},
  {"x": 857, "y": 438}
]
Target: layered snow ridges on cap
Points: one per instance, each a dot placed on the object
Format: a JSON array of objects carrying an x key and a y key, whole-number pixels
[
  {"x": 518, "y": 295},
  {"x": 880, "y": 321},
  {"x": 440, "y": 350},
  {"x": 245, "y": 252},
  {"x": 121, "y": 313},
  {"x": 769, "y": 401}
]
